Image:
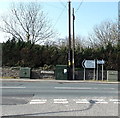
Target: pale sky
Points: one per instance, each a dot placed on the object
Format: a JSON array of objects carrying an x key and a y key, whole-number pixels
[{"x": 87, "y": 14}]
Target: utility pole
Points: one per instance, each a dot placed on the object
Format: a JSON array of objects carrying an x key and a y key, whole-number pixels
[
  {"x": 70, "y": 49},
  {"x": 73, "y": 57},
  {"x": 118, "y": 40},
  {"x": 119, "y": 23}
]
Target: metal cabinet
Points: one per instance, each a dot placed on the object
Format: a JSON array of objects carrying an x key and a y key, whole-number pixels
[
  {"x": 112, "y": 75},
  {"x": 25, "y": 72},
  {"x": 61, "y": 72}
]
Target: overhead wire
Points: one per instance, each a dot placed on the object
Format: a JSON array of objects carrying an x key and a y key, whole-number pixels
[
  {"x": 62, "y": 4},
  {"x": 65, "y": 7},
  {"x": 50, "y": 5},
  {"x": 79, "y": 6},
  {"x": 59, "y": 17},
  {"x": 58, "y": 8},
  {"x": 60, "y": 13}
]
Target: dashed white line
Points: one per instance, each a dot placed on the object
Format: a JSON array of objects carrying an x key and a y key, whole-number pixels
[
  {"x": 118, "y": 102},
  {"x": 81, "y": 101},
  {"x": 77, "y": 101},
  {"x": 60, "y": 101},
  {"x": 100, "y": 101},
  {"x": 11, "y": 87},
  {"x": 38, "y": 101},
  {"x": 82, "y": 88},
  {"x": 72, "y": 88},
  {"x": 115, "y": 101}
]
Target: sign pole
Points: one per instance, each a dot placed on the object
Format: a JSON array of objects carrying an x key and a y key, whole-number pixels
[
  {"x": 84, "y": 74},
  {"x": 97, "y": 71},
  {"x": 102, "y": 72},
  {"x": 94, "y": 71}
]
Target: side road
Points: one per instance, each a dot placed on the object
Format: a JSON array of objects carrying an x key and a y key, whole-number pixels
[{"x": 61, "y": 81}]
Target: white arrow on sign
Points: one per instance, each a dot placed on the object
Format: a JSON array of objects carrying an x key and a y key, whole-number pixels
[
  {"x": 88, "y": 63},
  {"x": 83, "y": 63}
]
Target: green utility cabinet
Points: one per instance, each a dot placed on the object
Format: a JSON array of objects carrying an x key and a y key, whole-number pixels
[
  {"x": 61, "y": 72},
  {"x": 25, "y": 72},
  {"x": 112, "y": 75}
]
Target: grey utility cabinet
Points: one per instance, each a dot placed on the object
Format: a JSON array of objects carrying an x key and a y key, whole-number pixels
[
  {"x": 25, "y": 72},
  {"x": 112, "y": 75}
]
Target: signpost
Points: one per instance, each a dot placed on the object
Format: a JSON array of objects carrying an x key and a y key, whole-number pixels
[
  {"x": 89, "y": 64},
  {"x": 102, "y": 62},
  {"x": 83, "y": 67},
  {"x": 92, "y": 64}
]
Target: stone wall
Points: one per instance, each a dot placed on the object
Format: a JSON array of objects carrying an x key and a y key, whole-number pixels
[
  {"x": 13, "y": 72},
  {"x": 89, "y": 75},
  {"x": 10, "y": 72},
  {"x": 39, "y": 74}
]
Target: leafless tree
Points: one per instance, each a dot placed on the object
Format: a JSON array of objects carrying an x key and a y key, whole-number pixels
[
  {"x": 105, "y": 33},
  {"x": 81, "y": 41},
  {"x": 27, "y": 22}
]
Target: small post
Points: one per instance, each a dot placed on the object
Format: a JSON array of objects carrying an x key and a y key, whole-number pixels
[
  {"x": 97, "y": 71},
  {"x": 94, "y": 70},
  {"x": 102, "y": 72},
  {"x": 84, "y": 73}
]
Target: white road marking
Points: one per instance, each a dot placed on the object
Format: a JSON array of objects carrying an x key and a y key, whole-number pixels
[
  {"x": 60, "y": 101},
  {"x": 81, "y": 101},
  {"x": 108, "y": 88},
  {"x": 100, "y": 101},
  {"x": 96, "y": 99},
  {"x": 85, "y": 101},
  {"x": 118, "y": 102},
  {"x": 4, "y": 87},
  {"x": 82, "y": 88},
  {"x": 77, "y": 101},
  {"x": 115, "y": 101},
  {"x": 38, "y": 101},
  {"x": 71, "y": 88}
]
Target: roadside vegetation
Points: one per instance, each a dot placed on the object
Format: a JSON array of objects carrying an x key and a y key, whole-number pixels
[{"x": 20, "y": 53}]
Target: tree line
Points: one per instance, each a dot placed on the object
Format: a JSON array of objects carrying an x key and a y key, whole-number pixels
[{"x": 27, "y": 54}]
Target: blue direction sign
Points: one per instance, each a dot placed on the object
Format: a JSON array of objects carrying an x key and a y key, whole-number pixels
[
  {"x": 100, "y": 62},
  {"x": 88, "y": 63}
]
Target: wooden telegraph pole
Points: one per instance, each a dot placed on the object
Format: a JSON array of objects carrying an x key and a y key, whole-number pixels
[
  {"x": 70, "y": 72},
  {"x": 118, "y": 60},
  {"x": 73, "y": 57}
]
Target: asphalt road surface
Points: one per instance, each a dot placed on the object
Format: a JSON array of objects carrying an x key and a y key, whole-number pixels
[{"x": 52, "y": 98}]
